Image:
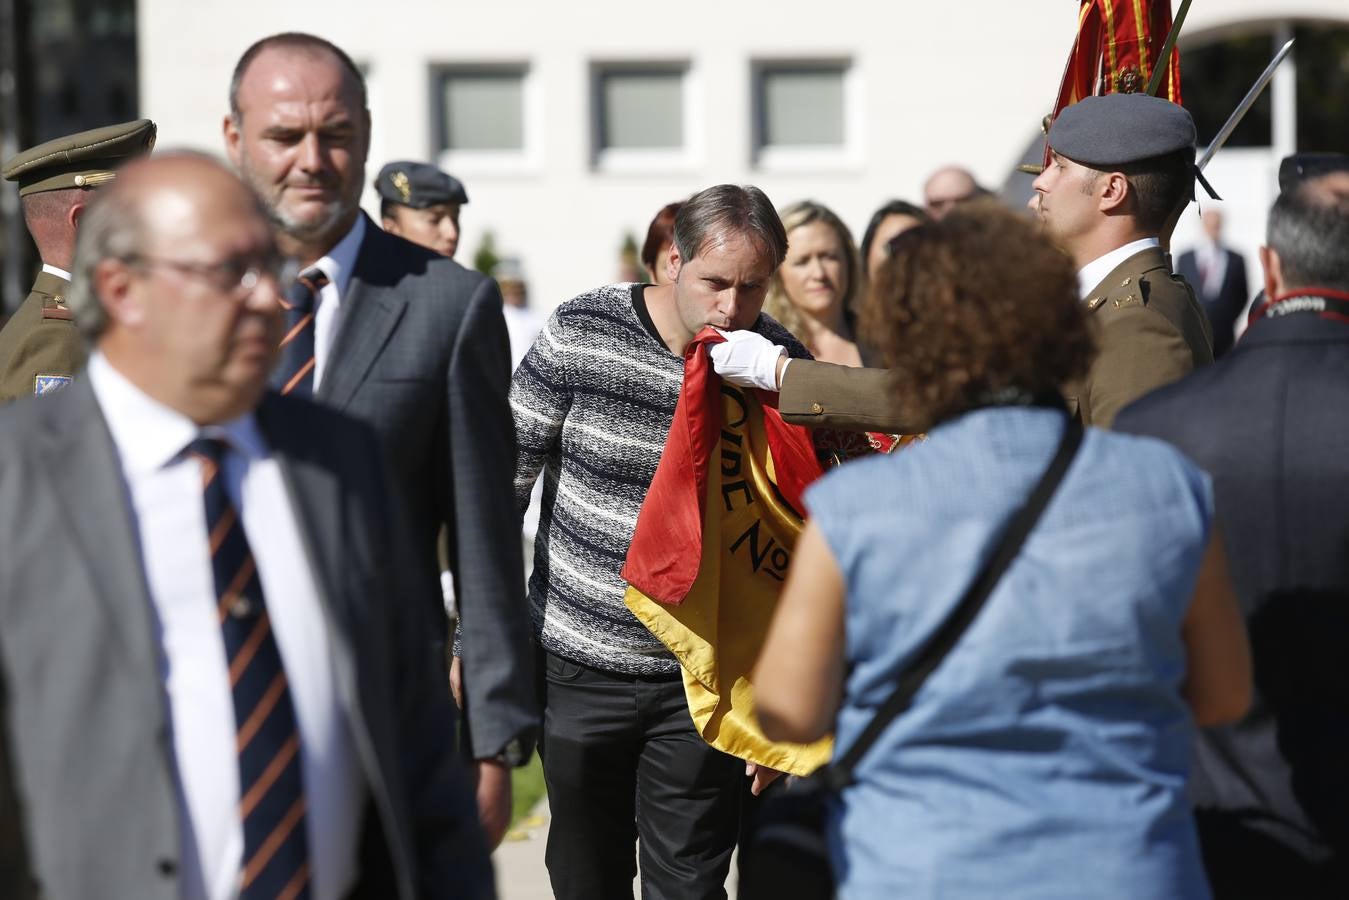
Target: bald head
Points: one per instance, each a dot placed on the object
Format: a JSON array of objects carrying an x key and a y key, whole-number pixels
[
  {"x": 176, "y": 275},
  {"x": 947, "y": 187},
  {"x": 306, "y": 45},
  {"x": 299, "y": 134},
  {"x": 1212, "y": 220}
]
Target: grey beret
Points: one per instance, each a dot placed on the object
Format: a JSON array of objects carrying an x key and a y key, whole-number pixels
[
  {"x": 418, "y": 185},
  {"x": 1114, "y": 129}
]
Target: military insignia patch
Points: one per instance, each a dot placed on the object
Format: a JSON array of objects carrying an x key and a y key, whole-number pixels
[
  {"x": 400, "y": 181},
  {"x": 49, "y": 384}
]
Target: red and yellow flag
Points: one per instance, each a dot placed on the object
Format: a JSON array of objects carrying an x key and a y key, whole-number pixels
[
  {"x": 1116, "y": 50},
  {"x": 711, "y": 549}
]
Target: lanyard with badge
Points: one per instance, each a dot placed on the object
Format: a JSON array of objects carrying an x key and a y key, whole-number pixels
[{"x": 1325, "y": 303}]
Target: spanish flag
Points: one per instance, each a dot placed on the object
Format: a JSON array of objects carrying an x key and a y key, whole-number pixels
[{"x": 712, "y": 545}]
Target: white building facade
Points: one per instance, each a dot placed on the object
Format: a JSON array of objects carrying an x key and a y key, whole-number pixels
[{"x": 571, "y": 124}]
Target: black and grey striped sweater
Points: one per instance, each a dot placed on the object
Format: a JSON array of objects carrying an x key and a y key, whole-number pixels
[{"x": 593, "y": 401}]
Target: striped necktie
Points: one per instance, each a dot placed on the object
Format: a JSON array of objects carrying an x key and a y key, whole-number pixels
[
  {"x": 295, "y": 374},
  {"x": 267, "y": 739}
]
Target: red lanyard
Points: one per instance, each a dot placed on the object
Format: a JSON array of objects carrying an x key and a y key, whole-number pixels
[{"x": 1322, "y": 302}]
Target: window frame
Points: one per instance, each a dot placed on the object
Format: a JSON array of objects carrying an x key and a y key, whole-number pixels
[
  {"x": 684, "y": 158},
  {"x": 524, "y": 159},
  {"x": 846, "y": 156}
]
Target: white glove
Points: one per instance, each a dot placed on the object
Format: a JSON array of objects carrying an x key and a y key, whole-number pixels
[{"x": 747, "y": 359}]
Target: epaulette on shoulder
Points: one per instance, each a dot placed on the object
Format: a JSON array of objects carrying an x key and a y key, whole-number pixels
[
  {"x": 54, "y": 307},
  {"x": 1127, "y": 292}
]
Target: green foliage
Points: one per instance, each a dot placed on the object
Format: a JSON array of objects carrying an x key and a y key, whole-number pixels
[
  {"x": 485, "y": 259},
  {"x": 527, "y": 789}
]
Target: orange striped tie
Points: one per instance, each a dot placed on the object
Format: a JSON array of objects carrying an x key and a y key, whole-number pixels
[
  {"x": 267, "y": 739},
  {"x": 295, "y": 374}
]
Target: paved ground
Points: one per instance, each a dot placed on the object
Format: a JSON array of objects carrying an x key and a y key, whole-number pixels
[{"x": 519, "y": 862}]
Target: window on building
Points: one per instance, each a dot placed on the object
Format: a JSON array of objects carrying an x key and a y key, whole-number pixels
[
  {"x": 800, "y": 105},
  {"x": 639, "y": 108},
  {"x": 1322, "y": 56},
  {"x": 481, "y": 109},
  {"x": 1214, "y": 78},
  {"x": 1216, "y": 75}
]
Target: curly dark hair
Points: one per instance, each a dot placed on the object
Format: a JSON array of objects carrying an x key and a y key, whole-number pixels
[{"x": 972, "y": 308}]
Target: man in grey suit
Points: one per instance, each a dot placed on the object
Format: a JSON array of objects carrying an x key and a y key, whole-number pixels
[
  {"x": 413, "y": 344},
  {"x": 216, "y": 677}
]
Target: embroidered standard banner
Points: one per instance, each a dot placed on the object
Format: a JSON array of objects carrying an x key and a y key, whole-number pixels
[
  {"x": 712, "y": 545},
  {"x": 1116, "y": 50}
]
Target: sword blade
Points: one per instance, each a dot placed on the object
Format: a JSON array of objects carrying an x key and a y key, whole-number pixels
[
  {"x": 1163, "y": 60},
  {"x": 1244, "y": 106}
]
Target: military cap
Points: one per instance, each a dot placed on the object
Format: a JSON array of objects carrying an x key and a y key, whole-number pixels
[
  {"x": 1303, "y": 166},
  {"x": 81, "y": 160},
  {"x": 1116, "y": 129},
  {"x": 418, "y": 185}
]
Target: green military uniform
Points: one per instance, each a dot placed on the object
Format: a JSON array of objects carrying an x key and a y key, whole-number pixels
[
  {"x": 825, "y": 395},
  {"x": 1151, "y": 331},
  {"x": 1150, "y": 328},
  {"x": 39, "y": 346},
  {"x": 40, "y": 349}
]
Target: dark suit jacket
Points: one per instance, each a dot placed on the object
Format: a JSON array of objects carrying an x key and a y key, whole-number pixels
[
  {"x": 1226, "y": 303},
  {"x": 422, "y": 356},
  {"x": 84, "y": 711},
  {"x": 1268, "y": 424}
]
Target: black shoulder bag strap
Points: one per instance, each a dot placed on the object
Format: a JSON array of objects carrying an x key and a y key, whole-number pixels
[{"x": 839, "y": 774}]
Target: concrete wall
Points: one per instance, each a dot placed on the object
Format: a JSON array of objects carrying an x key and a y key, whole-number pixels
[{"x": 933, "y": 83}]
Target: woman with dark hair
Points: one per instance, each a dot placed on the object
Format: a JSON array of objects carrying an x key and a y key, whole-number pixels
[
  {"x": 1047, "y": 754},
  {"x": 659, "y": 238},
  {"x": 887, "y": 223}
]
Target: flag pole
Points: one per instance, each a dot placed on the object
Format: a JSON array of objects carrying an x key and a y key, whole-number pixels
[{"x": 1163, "y": 62}]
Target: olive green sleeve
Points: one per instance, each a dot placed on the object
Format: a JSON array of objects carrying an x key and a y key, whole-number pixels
[
  {"x": 823, "y": 394},
  {"x": 31, "y": 346},
  {"x": 1140, "y": 350}
]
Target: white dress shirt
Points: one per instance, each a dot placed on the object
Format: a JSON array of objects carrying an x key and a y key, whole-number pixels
[
  {"x": 53, "y": 270},
  {"x": 167, "y": 504},
  {"x": 1212, "y": 262},
  {"x": 1093, "y": 272},
  {"x": 337, "y": 265}
]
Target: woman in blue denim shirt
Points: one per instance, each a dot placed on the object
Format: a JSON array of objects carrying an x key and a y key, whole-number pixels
[{"x": 1048, "y": 755}]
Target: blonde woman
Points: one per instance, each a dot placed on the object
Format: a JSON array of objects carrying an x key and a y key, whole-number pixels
[{"x": 814, "y": 289}]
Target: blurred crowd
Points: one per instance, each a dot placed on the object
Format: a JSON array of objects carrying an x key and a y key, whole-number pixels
[{"x": 1059, "y": 540}]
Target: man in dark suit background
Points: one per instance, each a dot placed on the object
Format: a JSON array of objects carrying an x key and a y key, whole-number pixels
[
  {"x": 1267, "y": 422},
  {"x": 216, "y": 679},
  {"x": 413, "y": 344},
  {"x": 1218, "y": 275}
]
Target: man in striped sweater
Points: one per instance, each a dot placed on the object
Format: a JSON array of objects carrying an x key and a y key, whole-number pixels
[{"x": 593, "y": 401}]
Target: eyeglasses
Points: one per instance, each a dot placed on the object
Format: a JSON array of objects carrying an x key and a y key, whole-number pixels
[{"x": 236, "y": 275}]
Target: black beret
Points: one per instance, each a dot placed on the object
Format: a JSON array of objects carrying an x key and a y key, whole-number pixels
[
  {"x": 418, "y": 185},
  {"x": 1115, "y": 129}
]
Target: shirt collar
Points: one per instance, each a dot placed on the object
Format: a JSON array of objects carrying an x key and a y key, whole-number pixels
[
  {"x": 1094, "y": 272},
  {"x": 338, "y": 262},
  {"x": 53, "y": 270},
  {"x": 150, "y": 435}
]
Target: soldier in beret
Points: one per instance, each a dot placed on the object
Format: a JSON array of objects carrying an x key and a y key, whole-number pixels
[
  {"x": 1121, "y": 165},
  {"x": 40, "y": 349},
  {"x": 421, "y": 203}
]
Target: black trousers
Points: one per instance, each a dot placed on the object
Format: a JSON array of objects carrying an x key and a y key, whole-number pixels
[
  {"x": 624, "y": 764},
  {"x": 1246, "y": 864}
]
